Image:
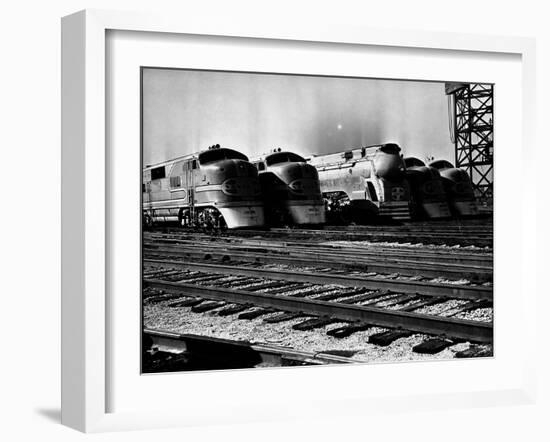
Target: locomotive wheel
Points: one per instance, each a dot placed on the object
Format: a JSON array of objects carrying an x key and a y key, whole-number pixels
[
  {"x": 346, "y": 215},
  {"x": 147, "y": 222}
]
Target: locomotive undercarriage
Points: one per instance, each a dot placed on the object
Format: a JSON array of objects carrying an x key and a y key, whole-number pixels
[
  {"x": 209, "y": 219},
  {"x": 341, "y": 210}
]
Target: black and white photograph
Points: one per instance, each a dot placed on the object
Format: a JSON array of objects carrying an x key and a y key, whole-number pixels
[
  {"x": 299, "y": 220},
  {"x": 234, "y": 221}
]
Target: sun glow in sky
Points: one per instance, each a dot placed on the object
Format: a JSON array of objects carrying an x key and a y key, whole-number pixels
[{"x": 187, "y": 111}]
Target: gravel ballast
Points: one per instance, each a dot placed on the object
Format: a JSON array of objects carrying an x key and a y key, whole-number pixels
[{"x": 182, "y": 320}]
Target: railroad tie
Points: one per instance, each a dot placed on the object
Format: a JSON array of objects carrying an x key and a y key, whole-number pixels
[
  {"x": 432, "y": 346},
  {"x": 422, "y": 303},
  {"x": 284, "y": 317},
  {"x": 238, "y": 282},
  {"x": 155, "y": 299},
  {"x": 192, "y": 302},
  {"x": 384, "y": 339},
  {"x": 253, "y": 314},
  {"x": 286, "y": 287},
  {"x": 207, "y": 306},
  {"x": 364, "y": 297},
  {"x": 233, "y": 309},
  {"x": 476, "y": 351},
  {"x": 399, "y": 300},
  {"x": 177, "y": 300},
  {"x": 347, "y": 330},
  {"x": 347, "y": 293},
  {"x": 267, "y": 285},
  {"x": 313, "y": 323},
  {"x": 473, "y": 306}
]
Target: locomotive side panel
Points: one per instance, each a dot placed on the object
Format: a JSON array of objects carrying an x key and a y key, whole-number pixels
[
  {"x": 350, "y": 180},
  {"x": 369, "y": 179},
  {"x": 157, "y": 195},
  {"x": 223, "y": 192}
]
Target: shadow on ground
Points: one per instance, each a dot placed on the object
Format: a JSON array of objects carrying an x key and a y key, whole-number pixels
[{"x": 51, "y": 414}]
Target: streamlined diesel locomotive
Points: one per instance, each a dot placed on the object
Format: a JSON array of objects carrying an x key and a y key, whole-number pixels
[
  {"x": 458, "y": 188},
  {"x": 216, "y": 188},
  {"x": 428, "y": 198},
  {"x": 360, "y": 183},
  {"x": 290, "y": 189}
]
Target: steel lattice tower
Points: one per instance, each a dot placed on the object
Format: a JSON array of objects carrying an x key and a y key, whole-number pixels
[{"x": 473, "y": 134}]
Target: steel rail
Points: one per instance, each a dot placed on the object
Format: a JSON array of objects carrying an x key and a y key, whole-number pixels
[
  {"x": 321, "y": 230},
  {"x": 379, "y": 265},
  {"x": 321, "y": 250},
  {"x": 247, "y": 233},
  {"x": 384, "y": 234},
  {"x": 483, "y": 229},
  {"x": 414, "y": 253},
  {"x": 457, "y": 233},
  {"x": 415, "y": 322},
  {"x": 398, "y": 286},
  {"x": 420, "y": 237},
  {"x": 168, "y": 340},
  {"x": 272, "y": 242},
  {"x": 354, "y": 233}
]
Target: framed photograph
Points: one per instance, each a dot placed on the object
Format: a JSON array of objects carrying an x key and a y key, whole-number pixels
[{"x": 268, "y": 222}]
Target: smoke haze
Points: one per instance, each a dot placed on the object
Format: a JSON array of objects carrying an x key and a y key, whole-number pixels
[{"x": 186, "y": 111}]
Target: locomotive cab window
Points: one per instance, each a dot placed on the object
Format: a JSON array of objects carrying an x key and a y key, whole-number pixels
[
  {"x": 390, "y": 148},
  {"x": 283, "y": 157},
  {"x": 158, "y": 172},
  {"x": 211, "y": 156}
]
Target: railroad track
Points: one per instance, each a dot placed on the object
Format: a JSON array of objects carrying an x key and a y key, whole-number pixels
[
  {"x": 328, "y": 282},
  {"x": 475, "y": 267},
  {"x": 372, "y": 262},
  {"x": 485, "y": 227},
  {"x": 433, "y": 226},
  {"x": 188, "y": 351},
  {"x": 326, "y": 278},
  {"x": 461, "y": 235},
  {"x": 206, "y": 284},
  {"x": 458, "y": 256},
  {"x": 440, "y": 238}
]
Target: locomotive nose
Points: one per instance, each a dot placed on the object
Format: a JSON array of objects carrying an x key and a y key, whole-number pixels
[
  {"x": 389, "y": 166},
  {"x": 238, "y": 168},
  {"x": 240, "y": 178},
  {"x": 302, "y": 179},
  {"x": 297, "y": 171}
]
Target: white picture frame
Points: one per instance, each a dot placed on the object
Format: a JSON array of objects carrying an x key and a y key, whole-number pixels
[{"x": 85, "y": 199}]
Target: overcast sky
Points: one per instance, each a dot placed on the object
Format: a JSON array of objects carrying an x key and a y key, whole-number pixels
[{"x": 186, "y": 111}]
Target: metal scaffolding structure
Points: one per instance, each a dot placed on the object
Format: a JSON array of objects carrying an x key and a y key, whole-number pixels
[{"x": 472, "y": 134}]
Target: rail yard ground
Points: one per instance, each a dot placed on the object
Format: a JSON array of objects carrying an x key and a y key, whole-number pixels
[{"x": 336, "y": 294}]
